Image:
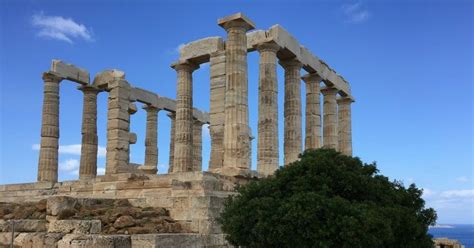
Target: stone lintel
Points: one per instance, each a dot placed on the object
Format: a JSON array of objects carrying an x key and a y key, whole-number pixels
[
  {"x": 237, "y": 18},
  {"x": 70, "y": 72},
  {"x": 199, "y": 51},
  {"x": 311, "y": 77}
]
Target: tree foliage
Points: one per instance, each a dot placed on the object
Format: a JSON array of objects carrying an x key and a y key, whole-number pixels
[{"x": 327, "y": 199}]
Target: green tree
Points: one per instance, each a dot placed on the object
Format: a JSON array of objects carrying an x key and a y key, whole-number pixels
[{"x": 327, "y": 199}]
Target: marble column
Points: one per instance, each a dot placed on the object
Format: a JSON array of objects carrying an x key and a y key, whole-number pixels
[
  {"x": 313, "y": 111},
  {"x": 267, "y": 143},
  {"x": 89, "y": 146},
  {"x": 216, "y": 113},
  {"x": 151, "y": 140},
  {"x": 172, "y": 117},
  {"x": 236, "y": 129},
  {"x": 330, "y": 117},
  {"x": 48, "y": 155},
  {"x": 197, "y": 144},
  {"x": 292, "y": 110},
  {"x": 345, "y": 125},
  {"x": 183, "y": 151}
]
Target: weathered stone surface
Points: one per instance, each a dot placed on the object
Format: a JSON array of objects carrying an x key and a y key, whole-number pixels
[
  {"x": 89, "y": 147},
  {"x": 103, "y": 78},
  {"x": 124, "y": 221},
  {"x": 199, "y": 51},
  {"x": 268, "y": 151},
  {"x": 70, "y": 72},
  {"x": 75, "y": 226},
  {"x": 24, "y": 225},
  {"x": 95, "y": 241},
  {"x": 313, "y": 111},
  {"x": 168, "y": 240},
  {"x": 344, "y": 126},
  {"x": 58, "y": 204},
  {"x": 330, "y": 138},
  {"x": 236, "y": 128}
]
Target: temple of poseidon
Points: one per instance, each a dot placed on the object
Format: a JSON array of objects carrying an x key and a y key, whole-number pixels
[{"x": 133, "y": 206}]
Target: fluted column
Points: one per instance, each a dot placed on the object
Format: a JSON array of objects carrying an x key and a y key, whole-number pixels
[
  {"x": 151, "y": 140},
  {"x": 345, "y": 125},
  {"x": 89, "y": 146},
  {"x": 267, "y": 143},
  {"x": 216, "y": 113},
  {"x": 197, "y": 144},
  {"x": 183, "y": 153},
  {"x": 236, "y": 129},
  {"x": 330, "y": 117},
  {"x": 313, "y": 112},
  {"x": 292, "y": 110},
  {"x": 48, "y": 157},
  {"x": 172, "y": 117}
]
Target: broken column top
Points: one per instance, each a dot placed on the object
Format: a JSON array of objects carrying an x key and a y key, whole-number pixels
[{"x": 236, "y": 18}]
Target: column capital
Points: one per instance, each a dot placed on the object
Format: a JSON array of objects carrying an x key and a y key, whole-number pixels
[
  {"x": 150, "y": 108},
  {"x": 345, "y": 100},
  {"x": 184, "y": 65},
  {"x": 89, "y": 89},
  {"x": 311, "y": 77},
  {"x": 329, "y": 91},
  {"x": 269, "y": 46},
  {"x": 237, "y": 20},
  {"x": 291, "y": 63},
  {"x": 198, "y": 122},
  {"x": 171, "y": 115},
  {"x": 51, "y": 77}
]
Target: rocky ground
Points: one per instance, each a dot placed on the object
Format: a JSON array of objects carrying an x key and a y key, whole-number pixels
[{"x": 116, "y": 216}]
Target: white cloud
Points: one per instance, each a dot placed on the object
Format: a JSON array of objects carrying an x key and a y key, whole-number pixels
[
  {"x": 205, "y": 131},
  {"x": 162, "y": 168},
  {"x": 74, "y": 149},
  {"x": 462, "y": 179},
  {"x": 60, "y": 28},
  {"x": 70, "y": 165},
  {"x": 100, "y": 171},
  {"x": 449, "y": 199},
  {"x": 179, "y": 47},
  {"x": 355, "y": 13}
]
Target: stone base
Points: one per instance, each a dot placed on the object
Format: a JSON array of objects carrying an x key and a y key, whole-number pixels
[{"x": 192, "y": 199}]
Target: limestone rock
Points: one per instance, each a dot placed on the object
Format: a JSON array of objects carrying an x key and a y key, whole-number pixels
[{"x": 124, "y": 221}]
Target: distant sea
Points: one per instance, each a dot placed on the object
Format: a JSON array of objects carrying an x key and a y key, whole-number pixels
[{"x": 462, "y": 233}]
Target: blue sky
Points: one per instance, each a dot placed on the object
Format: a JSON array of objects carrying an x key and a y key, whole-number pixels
[{"x": 409, "y": 63}]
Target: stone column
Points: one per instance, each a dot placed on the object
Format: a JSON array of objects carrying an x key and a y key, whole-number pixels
[
  {"x": 292, "y": 111},
  {"x": 313, "y": 112},
  {"x": 344, "y": 125},
  {"x": 236, "y": 129},
  {"x": 118, "y": 127},
  {"x": 267, "y": 143},
  {"x": 183, "y": 151},
  {"x": 216, "y": 114},
  {"x": 88, "y": 164},
  {"x": 151, "y": 140},
  {"x": 172, "y": 117},
  {"x": 197, "y": 145},
  {"x": 329, "y": 117},
  {"x": 48, "y": 155}
]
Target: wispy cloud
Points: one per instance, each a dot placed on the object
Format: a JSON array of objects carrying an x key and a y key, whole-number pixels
[
  {"x": 462, "y": 179},
  {"x": 449, "y": 199},
  {"x": 60, "y": 28},
  {"x": 355, "y": 12},
  {"x": 74, "y": 149}
]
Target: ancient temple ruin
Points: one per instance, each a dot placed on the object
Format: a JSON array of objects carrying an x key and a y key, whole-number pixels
[{"x": 191, "y": 197}]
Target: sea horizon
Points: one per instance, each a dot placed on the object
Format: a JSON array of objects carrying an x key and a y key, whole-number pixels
[{"x": 464, "y": 233}]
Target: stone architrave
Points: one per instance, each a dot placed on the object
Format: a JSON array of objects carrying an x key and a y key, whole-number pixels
[
  {"x": 330, "y": 117},
  {"x": 345, "y": 125},
  {"x": 183, "y": 150},
  {"x": 267, "y": 146},
  {"x": 48, "y": 155},
  {"x": 313, "y": 111},
  {"x": 292, "y": 110},
  {"x": 172, "y": 117},
  {"x": 118, "y": 127},
  {"x": 236, "y": 128},
  {"x": 151, "y": 140},
  {"x": 89, "y": 146},
  {"x": 217, "y": 115},
  {"x": 197, "y": 145}
]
